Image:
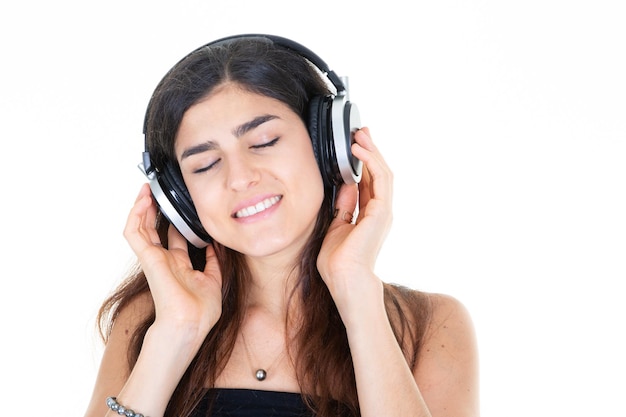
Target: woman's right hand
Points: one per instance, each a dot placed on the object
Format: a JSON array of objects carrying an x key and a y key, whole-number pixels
[{"x": 184, "y": 298}]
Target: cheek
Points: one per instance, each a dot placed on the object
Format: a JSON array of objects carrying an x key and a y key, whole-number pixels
[
  {"x": 206, "y": 204},
  {"x": 304, "y": 162},
  {"x": 310, "y": 181}
]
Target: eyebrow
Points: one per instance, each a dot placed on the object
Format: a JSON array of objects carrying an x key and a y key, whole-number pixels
[
  {"x": 202, "y": 147},
  {"x": 238, "y": 132},
  {"x": 244, "y": 128}
]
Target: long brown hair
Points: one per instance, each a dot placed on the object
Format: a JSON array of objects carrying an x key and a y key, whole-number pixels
[{"x": 321, "y": 355}]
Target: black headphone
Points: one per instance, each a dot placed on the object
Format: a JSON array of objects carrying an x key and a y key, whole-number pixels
[{"x": 332, "y": 121}]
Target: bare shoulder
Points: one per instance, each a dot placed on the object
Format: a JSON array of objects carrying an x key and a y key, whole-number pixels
[
  {"x": 447, "y": 370},
  {"x": 449, "y": 318}
]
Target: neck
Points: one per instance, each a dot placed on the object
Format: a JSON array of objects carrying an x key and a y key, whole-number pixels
[{"x": 271, "y": 288}]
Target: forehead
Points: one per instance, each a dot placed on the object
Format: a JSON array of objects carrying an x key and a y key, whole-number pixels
[{"x": 227, "y": 113}]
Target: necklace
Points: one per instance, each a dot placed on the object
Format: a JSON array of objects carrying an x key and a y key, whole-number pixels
[{"x": 261, "y": 373}]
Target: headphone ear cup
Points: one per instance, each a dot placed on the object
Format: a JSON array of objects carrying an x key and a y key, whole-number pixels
[
  {"x": 321, "y": 138},
  {"x": 345, "y": 121},
  {"x": 178, "y": 190},
  {"x": 175, "y": 203},
  {"x": 332, "y": 124}
]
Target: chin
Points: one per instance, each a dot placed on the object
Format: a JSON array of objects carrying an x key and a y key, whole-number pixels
[{"x": 261, "y": 248}]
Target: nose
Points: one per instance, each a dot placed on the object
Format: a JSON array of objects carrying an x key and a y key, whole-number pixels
[{"x": 242, "y": 173}]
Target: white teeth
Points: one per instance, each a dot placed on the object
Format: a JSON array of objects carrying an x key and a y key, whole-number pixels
[{"x": 257, "y": 208}]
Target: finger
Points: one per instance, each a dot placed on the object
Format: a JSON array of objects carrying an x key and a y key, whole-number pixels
[
  {"x": 139, "y": 230},
  {"x": 365, "y": 149},
  {"x": 378, "y": 180},
  {"x": 149, "y": 223},
  {"x": 365, "y": 187},
  {"x": 136, "y": 221},
  {"x": 148, "y": 226},
  {"x": 212, "y": 267},
  {"x": 175, "y": 240},
  {"x": 143, "y": 191},
  {"x": 345, "y": 203},
  {"x": 343, "y": 216}
]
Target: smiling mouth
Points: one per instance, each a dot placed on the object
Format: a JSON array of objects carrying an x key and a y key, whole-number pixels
[{"x": 258, "y": 207}]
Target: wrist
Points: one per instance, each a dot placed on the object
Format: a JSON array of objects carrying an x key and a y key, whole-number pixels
[
  {"x": 360, "y": 300},
  {"x": 179, "y": 340},
  {"x": 165, "y": 355}
]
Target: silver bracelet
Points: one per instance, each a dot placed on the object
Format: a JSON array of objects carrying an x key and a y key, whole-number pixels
[{"x": 120, "y": 409}]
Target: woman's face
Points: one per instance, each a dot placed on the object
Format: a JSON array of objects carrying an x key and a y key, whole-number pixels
[{"x": 248, "y": 163}]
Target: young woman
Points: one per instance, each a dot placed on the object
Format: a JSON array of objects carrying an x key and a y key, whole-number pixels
[{"x": 279, "y": 312}]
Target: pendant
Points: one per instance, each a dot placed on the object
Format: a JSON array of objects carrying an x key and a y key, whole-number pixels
[{"x": 261, "y": 374}]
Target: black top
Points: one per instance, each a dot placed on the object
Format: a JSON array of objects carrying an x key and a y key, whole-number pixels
[{"x": 234, "y": 402}]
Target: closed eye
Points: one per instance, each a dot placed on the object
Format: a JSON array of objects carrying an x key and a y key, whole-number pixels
[
  {"x": 260, "y": 146},
  {"x": 265, "y": 145},
  {"x": 206, "y": 168}
]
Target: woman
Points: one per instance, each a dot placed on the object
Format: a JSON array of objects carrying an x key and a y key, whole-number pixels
[{"x": 280, "y": 313}]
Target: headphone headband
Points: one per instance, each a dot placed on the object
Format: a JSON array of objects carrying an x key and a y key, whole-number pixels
[
  {"x": 289, "y": 44},
  {"x": 297, "y": 48},
  {"x": 332, "y": 121}
]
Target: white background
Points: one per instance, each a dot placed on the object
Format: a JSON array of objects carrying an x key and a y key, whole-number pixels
[{"x": 504, "y": 123}]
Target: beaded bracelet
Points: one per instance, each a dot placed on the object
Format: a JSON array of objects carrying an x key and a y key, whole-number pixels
[{"x": 120, "y": 409}]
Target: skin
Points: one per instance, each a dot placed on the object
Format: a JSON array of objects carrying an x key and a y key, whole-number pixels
[
  {"x": 272, "y": 159},
  {"x": 188, "y": 302}
]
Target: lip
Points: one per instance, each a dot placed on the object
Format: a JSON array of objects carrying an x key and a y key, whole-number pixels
[{"x": 247, "y": 204}]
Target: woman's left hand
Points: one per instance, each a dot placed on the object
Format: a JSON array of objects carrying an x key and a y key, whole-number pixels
[{"x": 348, "y": 254}]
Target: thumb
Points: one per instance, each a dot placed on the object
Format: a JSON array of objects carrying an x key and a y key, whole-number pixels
[{"x": 212, "y": 266}]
